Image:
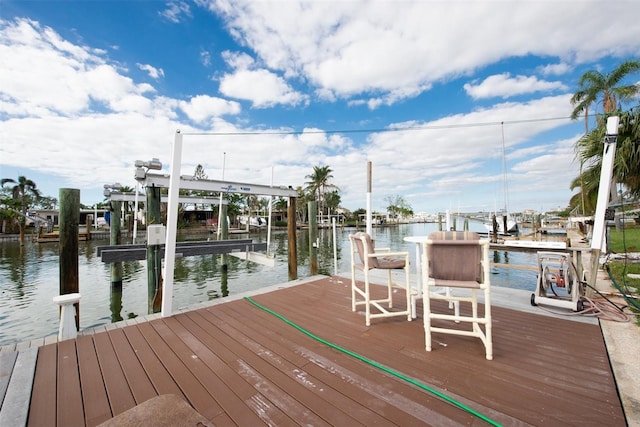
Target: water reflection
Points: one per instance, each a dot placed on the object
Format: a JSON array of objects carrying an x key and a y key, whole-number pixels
[{"x": 29, "y": 278}]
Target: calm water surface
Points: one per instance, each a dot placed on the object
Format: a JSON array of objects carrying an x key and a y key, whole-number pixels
[{"x": 29, "y": 278}]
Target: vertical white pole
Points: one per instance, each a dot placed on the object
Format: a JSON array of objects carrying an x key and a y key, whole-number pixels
[
  {"x": 369, "y": 215},
  {"x": 269, "y": 219},
  {"x": 220, "y": 219},
  {"x": 335, "y": 247},
  {"x": 598, "y": 243},
  {"x": 135, "y": 214},
  {"x": 604, "y": 189},
  {"x": 172, "y": 225}
]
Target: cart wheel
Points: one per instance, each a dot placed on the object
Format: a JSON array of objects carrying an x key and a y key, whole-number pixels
[
  {"x": 580, "y": 305},
  {"x": 533, "y": 300}
]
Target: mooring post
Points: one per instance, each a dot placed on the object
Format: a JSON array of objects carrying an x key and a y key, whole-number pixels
[
  {"x": 87, "y": 223},
  {"x": 223, "y": 227},
  {"x": 154, "y": 260},
  {"x": 68, "y": 244},
  {"x": 494, "y": 228},
  {"x": 115, "y": 239},
  {"x": 291, "y": 235},
  {"x": 313, "y": 236}
]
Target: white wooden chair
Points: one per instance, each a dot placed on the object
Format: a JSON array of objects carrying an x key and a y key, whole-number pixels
[
  {"x": 365, "y": 257},
  {"x": 460, "y": 261}
]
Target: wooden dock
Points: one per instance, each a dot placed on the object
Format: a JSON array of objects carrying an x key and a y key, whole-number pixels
[{"x": 236, "y": 363}]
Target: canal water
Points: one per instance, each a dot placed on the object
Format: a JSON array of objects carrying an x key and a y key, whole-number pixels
[{"x": 29, "y": 277}]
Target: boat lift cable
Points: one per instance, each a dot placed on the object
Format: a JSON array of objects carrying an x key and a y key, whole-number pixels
[
  {"x": 377, "y": 365},
  {"x": 377, "y": 130}
]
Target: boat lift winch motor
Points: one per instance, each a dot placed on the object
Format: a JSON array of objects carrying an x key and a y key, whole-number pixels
[{"x": 559, "y": 283}]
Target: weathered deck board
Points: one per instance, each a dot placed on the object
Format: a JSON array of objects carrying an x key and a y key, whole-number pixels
[
  {"x": 94, "y": 394},
  {"x": 239, "y": 365},
  {"x": 70, "y": 408},
  {"x": 115, "y": 382},
  {"x": 42, "y": 409},
  {"x": 14, "y": 403}
]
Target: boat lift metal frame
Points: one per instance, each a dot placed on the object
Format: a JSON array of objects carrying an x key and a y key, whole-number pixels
[{"x": 174, "y": 182}]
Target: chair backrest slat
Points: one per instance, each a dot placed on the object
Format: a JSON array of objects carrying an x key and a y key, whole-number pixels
[
  {"x": 455, "y": 256},
  {"x": 364, "y": 246}
]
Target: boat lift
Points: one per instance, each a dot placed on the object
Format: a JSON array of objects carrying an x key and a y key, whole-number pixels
[
  {"x": 557, "y": 270},
  {"x": 175, "y": 182}
]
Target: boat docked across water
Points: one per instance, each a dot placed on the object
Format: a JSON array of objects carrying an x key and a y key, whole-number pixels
[{"x": 505, "y": 224}]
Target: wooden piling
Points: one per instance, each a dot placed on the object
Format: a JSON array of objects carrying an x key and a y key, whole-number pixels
[
  {"x": 224, "y": 235},
  {"x": 69, "y": 221},
  {"x": 115, "y": 239},
  {"x": 494, "y": 235},
  {"x": 154, "y": 260},
  {"x": 313, "y": 235},
  {"x": 88, "y": 221},
  {"x": 291, "y": 235}
]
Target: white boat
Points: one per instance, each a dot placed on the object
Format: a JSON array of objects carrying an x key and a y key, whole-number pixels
[
  {"x": 510, "y": 222},
  {"x": 512, "y": 225},
  {"x": 257, "y": 222}
]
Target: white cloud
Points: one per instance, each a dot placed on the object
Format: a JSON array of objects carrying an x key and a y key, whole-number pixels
[
  {"x": 555, "y": 69},
  {"x": 205, "y": 58},
  {"x": 260, "y": 86},
  {"x": 505, "y": 86},
  {"x": 238, "y": 60},
  {"x": 176, "y": 11},
  {"x": 49, "y": 75},
  {"x": 452, "y": 158},
  {"x": 203, "y": 107},
  {"x": 153, "y": 72},
  {"x": 354, "y": 48}
]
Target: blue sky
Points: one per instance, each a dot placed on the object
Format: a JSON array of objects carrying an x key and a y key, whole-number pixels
[{"x": 428, "y": 91}]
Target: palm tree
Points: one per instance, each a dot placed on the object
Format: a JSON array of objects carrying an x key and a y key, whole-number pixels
[
  {"x": 319, "y": 182},
  {"x": 332, "y": 199},
  {"x": 24, "y": 191},
  {"x": 626, "y": 167},
  {"x": 595, "y": 87},
  {"x": 301, "y": 204}
]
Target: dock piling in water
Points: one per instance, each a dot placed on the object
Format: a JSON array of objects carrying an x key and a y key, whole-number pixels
[{"x": 68, "y": 244}]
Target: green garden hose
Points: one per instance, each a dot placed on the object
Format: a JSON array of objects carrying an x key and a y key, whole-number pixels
[{"x": 378, "y": 365}]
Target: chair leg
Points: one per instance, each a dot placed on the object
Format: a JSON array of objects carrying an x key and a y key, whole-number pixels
[
  {"x": 426, "y": 303},
  {"x": 487, "y": 326},
  {"x": 390, "y": 288},
  {"x": 367, "y": 300},
  {"x": 455, "y": 305},
  {"x": 353, "y": 288},
  {"x": 408, "y": 291}
]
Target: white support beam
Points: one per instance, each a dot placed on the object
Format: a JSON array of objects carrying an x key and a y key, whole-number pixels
[
  {"x": 188, "y": 183},
  {"x": 598, "y": 243},
  {"x": 604, "y": 189},
  {"x": 172, "y": 226},
  {"x": 130, "y": 197}
]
